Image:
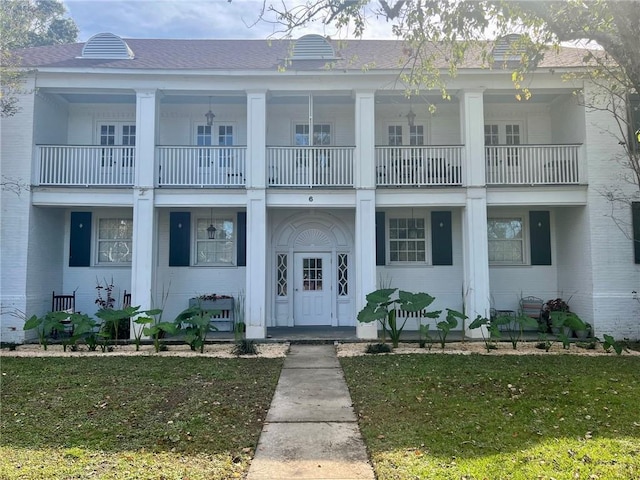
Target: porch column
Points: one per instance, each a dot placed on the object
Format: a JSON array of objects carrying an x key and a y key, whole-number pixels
[
  {"x": 256, "y": 270},
  {"x": 144, "y": 217},
  {"x": 255, "y": 169},
  {"x": 476, "y": 289},
  {"x": 364, "y": 163},
  {"x": 365, "y": 253}
]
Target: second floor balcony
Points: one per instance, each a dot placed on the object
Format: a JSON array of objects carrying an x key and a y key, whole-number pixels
[{"x": 307, "y": 167}]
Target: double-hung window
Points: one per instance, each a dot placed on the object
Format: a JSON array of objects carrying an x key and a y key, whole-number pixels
[
  {"x": 407, "y": 239},
  {"x": 506, "y": 240},
  {"x": 219, "y": 250},
  {"x": 115, "y": 240}
]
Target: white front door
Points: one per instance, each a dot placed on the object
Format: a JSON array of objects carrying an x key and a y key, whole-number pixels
[{"x": 312, "y": 299}]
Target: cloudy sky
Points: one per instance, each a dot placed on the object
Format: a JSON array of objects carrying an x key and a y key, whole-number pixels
[{"x": 185, "y": 19}]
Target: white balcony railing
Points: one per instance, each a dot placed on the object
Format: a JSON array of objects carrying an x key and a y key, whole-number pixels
[
  {"x": 532, "y": 164},
  {"x": 85, "y": 165},
  {"x": 219, "y": 166},
  {"x": 310, "y": 166},
  {"x": 417, "y": 166}
]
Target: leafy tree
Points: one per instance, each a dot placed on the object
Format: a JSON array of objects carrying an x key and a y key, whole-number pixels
[{"x": 27, "y": 23}]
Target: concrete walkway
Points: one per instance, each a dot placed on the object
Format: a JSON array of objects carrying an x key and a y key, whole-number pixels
[{"x": 311, "y": 430}]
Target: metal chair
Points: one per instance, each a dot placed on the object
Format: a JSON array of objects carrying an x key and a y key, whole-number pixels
[{"x": 532, "y": 307}]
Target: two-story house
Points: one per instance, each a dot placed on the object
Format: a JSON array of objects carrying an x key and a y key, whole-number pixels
[{"x": 300, "y": 173}]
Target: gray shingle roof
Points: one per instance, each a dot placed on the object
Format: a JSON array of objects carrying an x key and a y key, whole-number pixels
[{"x": 161, "y": 54}]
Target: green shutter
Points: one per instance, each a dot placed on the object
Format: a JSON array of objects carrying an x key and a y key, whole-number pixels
[
  {"x": 241, "y": 253},
  {"x": 80, "y": 239},
  {"x": 635, "y": 219},
  {"x": 179, "y": 239},
  {"x": 540, "y": 237},
  {"x": 441, "y": 239},
  {"x": 381, "y": 257}
]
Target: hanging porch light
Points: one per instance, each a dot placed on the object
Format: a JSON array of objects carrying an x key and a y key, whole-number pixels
[
  {"x": 209, "y": 115},
  {"x": 211, "y": 230}
]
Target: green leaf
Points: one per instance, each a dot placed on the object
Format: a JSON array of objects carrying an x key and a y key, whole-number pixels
[{"x": 33, "y": 322}]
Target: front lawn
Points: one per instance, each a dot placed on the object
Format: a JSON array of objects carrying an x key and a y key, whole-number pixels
[
  {"x": 132, "y": 417},
  {"x": 498, "y": 417}
]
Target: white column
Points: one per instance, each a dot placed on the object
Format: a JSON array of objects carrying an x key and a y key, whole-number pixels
[
  {"x": 477, "y": 292},
  {"x": 144, "y": 216},
  {"x": 256, "y": 139},
  {"x": 364, "y": 156},
  {"x": 365, "y": 253},
  {"x": 256, "y": 270}
]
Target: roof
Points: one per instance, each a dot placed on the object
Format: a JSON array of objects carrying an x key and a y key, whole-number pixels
[{"x": 228, "y": 55}]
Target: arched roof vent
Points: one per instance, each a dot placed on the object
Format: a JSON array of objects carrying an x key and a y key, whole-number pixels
[
  {"x": 313, "y": 47},
  {"x": 507, "y": 48},
  {"x": 107, "y": 46}
]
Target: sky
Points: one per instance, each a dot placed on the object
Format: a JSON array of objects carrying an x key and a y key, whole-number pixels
[{"x": 189, "y": 19}]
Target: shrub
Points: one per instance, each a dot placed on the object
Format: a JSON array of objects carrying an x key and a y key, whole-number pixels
[
  {"x": 375, "y": 348},
  {"x": 245, "y": 347}
]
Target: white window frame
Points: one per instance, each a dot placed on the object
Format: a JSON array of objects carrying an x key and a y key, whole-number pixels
[
  {"x": 313, "y": 136},
  {"x": 119, "y": 137},
  {"x": 98, "y": 240},
  {"x": 504, "y": 139},
  {"x": 408, "y": 216},
  {"x": 200, "y": 237},
  {"x": 519, "y": 216}
]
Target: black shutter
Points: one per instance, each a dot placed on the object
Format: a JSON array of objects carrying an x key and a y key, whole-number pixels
[
  {"x": 441, "y": 240},
  {"x": 540, "y": 233},
  {"x": 179, "y": 239},
  {"x": 80, "y": 239},
  {"x": 381, "y": 241},
  {"x": 635, "y": 219},
  {"x": 241, "y": 253}
]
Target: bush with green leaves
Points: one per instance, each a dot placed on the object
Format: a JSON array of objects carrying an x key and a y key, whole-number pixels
[
  {"x": 383, "y": 304},
  {"x": 449, "y": 323},
  {"x": 376, "y": 348},
  {"x": 46, "y": 325},
  {"x": 195, "y": 322},
  {"x": 245, "y": 347}
]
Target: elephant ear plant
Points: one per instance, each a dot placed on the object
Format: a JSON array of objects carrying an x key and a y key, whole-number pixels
[
  {"x": 383, "y": 305},
  {"x": 196, "y": 323},
  {"x": 46, "y": 325}
]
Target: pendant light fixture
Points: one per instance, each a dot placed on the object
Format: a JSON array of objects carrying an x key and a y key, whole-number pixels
[
  {"x": 211, "y": 230},
  {"x": 209, "y": 115}
]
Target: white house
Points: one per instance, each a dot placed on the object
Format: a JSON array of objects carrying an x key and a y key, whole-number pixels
[{"x": 321, "y": 178}]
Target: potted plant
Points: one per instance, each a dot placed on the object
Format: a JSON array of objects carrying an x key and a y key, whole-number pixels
[{"x": 555, "y": 305}]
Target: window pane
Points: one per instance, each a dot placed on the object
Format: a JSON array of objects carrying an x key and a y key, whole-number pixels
[
  {"x": 407, "y": 240},
  {"x": 219, "y": 250},
  {"x": 506, "y": 242},
  {"x": 115, "y": 240}
]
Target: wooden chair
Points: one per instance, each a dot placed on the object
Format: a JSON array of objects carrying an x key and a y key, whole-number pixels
[
  {"x": 64, "y": 303},
  {"x": 126, "y": 299}
]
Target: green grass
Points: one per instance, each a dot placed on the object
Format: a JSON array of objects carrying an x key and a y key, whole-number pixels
[
  {"x": 498, "y": 417},
  {"x": 132, "y": 417}
]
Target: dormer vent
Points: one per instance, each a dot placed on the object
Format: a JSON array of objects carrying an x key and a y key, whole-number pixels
[
  {"x": 107, "y": 46},
  {"x": 506, "y": 49},
  {"x": 313, "y": 47}
]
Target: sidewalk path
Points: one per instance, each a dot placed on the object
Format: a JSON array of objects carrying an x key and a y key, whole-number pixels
[{"x": 311, "y": 430}]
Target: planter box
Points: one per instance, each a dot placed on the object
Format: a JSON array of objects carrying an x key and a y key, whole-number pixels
[{"x": 224, "y": 320}]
